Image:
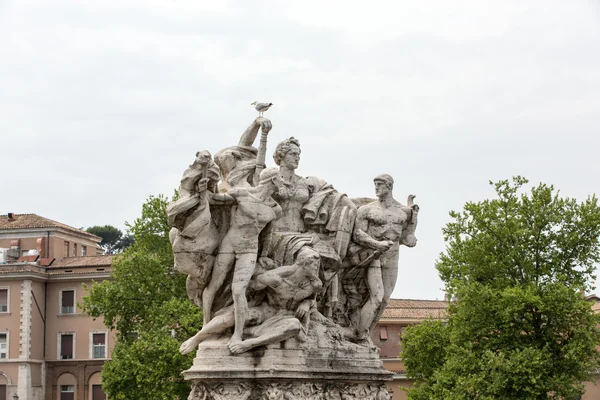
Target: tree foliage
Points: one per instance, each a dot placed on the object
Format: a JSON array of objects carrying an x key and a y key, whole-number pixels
[
  {"x": 146, "y": 303},
  {"x": 113, "y": 240},
  {"x": 518, "y": 326}
]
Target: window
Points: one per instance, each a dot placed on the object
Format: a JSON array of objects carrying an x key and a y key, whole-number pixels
[
  {"x": 97, "y": 393},
  {"x": 67, "y": 302},
  {"x": 3, "y": 345},
  {"x": 383, "y": 333},
  {"x": 99, "y": 345},
  {"x": 66, "y": 346},
  {"x": 3, "y": 300},
  {"x": 74, "y": 249},
  {"x": 83, "y": 251},
  {"x": 66, "y": 249},
  {"x": 67, "y": 392}
]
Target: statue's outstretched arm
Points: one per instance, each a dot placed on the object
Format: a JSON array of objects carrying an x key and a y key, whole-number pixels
[
  {"x": 273, "y": 278},
  {"x": 249, "y": 135}
]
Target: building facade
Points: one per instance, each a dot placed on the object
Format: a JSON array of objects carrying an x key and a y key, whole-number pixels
[
  {"x": 399, "y": 314},
  {"x": 49, "y": 349}
]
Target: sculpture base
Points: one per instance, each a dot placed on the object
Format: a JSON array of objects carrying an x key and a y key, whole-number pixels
[
  {"x": 322, "y": 368},
  {"x": 287, "y": 390}
]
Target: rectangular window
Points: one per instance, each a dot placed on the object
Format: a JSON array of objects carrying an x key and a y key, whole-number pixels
[
  {"x": 66, "y": 249},
  {"x": 3, "y": 300},
  {"x": 74, "y": 249},
  {"x": 66, "y": 346},
  {"x": 67, "y": 392},
  {"x": 83, "y": 251},
  {"x": 3, "y": 345},
  {"x": 383, "y": 334},
  {"x": 99, "y": 345},
  {"x": 97, "y": 393},
  {"x": 67, "y": 302}
]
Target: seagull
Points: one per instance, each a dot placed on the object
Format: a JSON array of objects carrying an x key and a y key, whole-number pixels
[{"x": 261, "y": 107}]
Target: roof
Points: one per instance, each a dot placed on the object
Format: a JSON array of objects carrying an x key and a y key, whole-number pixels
[
  {"x": 423, "y": 309},
  {"x": 32, "y": 221},
  {"x": 84, "y": 261},
  {"x": 415, "y": 309},
  {"x": 592, "y": 297}
]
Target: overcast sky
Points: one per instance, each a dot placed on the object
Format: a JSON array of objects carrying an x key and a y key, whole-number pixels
[{"x": 103, "y": 103}]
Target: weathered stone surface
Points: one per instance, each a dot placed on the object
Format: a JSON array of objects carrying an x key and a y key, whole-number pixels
[
  {"x": 288, "y": 390},
  {"x": 291, "y": 274}
]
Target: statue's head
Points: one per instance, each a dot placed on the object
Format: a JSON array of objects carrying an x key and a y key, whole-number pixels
[
  {"x": 268, "y": 175},
  {"x": 203, "y": 157},
  {"x": 384, "y": 184},
  {"x": 287, "y": 153}
]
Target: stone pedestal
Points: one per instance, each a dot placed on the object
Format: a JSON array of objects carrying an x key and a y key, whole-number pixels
[{"x": 290, "y": 370}]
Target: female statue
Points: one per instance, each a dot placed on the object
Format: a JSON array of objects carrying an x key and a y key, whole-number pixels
[{"x": 316, "y": 221}]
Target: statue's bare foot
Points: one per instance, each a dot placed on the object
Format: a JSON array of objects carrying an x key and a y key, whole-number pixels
[
  {"x": 301, "y": 337},
  {"x": 188, "y": 346},
  {"x": 238, "y": 347},
  {"x": 366, "y": 342},
  {"x": 318, "y": 317}
]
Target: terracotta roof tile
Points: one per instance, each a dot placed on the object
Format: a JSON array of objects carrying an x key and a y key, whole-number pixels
[
  {"x": 28, "y": 221},
  {"x": 46, "y": 262},
  {"x": 415, "y": 309},
  {"x": 84, "y": 261}
]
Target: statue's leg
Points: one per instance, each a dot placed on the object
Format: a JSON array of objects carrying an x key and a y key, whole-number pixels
[
  {"x": 353, "y": 302},
  {"x": 223, "y": 265},
  {"x": 245, "y": 265},
  {"x": 216, "y": 325},
  {"x": 389, "y": 273},
  {"x": 376, "y": 293},
  {"x": 286, "y": 329}
]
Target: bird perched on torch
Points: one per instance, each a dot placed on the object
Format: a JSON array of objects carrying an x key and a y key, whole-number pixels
[{"x": 261, "y": 107}]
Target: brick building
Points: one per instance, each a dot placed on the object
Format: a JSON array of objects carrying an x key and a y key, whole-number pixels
[
  {"x": 49, "y": 350},
  {"x": 399, "y": 314}
]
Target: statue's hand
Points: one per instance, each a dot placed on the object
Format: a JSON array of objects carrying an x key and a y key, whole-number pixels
[
  {"x": 265, "y": 125},
  {"x": 266, "y": 263},
  {"x": 410, "y": 241},
  {"x": 384, "y": 245},
  {"x": 302, "y": 310},
  {"x": 202, "y": 185}
]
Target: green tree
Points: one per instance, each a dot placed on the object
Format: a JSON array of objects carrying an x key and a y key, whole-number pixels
[
  {"x": 145, "y": 301},
  {"x": 518, "y": 326},
  {"x": 113, "y": 240}
]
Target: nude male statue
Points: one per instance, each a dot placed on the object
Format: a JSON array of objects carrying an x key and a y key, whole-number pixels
[
  {"x": 381, "y": 227},
  {"x": 290, "y": 292},
  {"x": 239, "y": 248}
]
